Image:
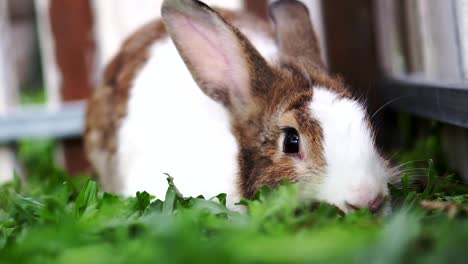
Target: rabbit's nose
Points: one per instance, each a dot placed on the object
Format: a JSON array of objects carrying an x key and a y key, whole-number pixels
[
  {"x": 376, "y": 204},
  {"x": 373, "y": 205}
]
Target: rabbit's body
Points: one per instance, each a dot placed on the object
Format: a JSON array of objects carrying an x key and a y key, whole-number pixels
[
  {"x": 189, "y": 136},
  {"x": 170, "y": 126},
  {"x": 224, "y": 102}
]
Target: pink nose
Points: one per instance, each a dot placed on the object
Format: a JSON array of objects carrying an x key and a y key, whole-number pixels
[{"x": 374, "y": 205}]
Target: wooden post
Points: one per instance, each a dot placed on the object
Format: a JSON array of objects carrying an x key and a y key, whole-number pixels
[
  {"x": 439, "y": 40},
  {"x": 462, "y": 16},
  {"x": 50, "y": 69},
  {"x": 67, "y": 46},
  {"x": 351, "y": 44},
  {"x": 72, "y": 26},
  {"x": 8, "y": 86},
  {"x": 390, "y": 46}
]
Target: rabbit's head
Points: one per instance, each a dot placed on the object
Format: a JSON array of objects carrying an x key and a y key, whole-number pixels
[{"x": 292, "y": 120}]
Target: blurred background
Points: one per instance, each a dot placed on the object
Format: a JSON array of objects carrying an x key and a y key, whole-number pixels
[{"x": 407, "y": 58}]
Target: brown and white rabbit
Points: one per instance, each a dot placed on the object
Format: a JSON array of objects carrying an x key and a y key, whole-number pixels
[{"x": 234, "y": 105}]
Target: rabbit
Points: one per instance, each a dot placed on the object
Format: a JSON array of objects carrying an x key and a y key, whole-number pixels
[{"x": 227, "y": 103}]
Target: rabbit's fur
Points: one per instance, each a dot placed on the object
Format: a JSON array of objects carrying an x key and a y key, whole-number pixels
[{"x": 223, "y": 124}]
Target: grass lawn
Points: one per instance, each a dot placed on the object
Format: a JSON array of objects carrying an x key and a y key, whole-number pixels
[{"x": 56, "y": 219}]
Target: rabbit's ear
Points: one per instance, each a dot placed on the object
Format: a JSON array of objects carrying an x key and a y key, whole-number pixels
[
  {"x": 295, "y": 34},
  {"x": 222, "y": 61}
]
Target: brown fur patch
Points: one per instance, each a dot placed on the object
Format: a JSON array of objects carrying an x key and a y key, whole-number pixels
[
  {"x": 108, "y": 104},
  {"x": 284, "y": 104},
  {"x": 299, "y": 45},
  {"x": 295, "y": 34}
]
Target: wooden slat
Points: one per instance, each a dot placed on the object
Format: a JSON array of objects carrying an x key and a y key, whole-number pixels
[
  {"x": 8, "y": 86},
  {"x": 352, "y": 51},
  {"x": 440, "y": 42},
  {"x": 51, "y": 73},
  {"x": 72, "y": 27},
  {"x": 39, "y": 122},
  {"x": 388, "y": 38},
  {"x": 8, "y": 82},
  {"x": 430, "y": 99},
  {"x": 413, "y": 32},
  {"x": 461, "y": 8}
]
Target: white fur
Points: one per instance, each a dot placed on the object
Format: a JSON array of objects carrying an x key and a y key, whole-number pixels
[
  {"x": 355, "y": 172},
  {"x": 173, "y": 127}
]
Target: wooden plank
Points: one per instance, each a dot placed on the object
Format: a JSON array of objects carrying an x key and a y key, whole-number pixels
[
  {"x": 72, "y": 25},
  {"x": 445, "y": 102},
  {"x": 8, "y": 88},
  {"x": 67, "y": 47},
  {"x": 414, "y": 32},
  {"x": 40, "y": 122},
  {"x": 351, "y": 46},
  {"x": 461, "y": 7},
  {"x": 51, "y": 72},
  {"x": 389, "y": 42},
  {"x": 428, "y": 34},
  {"x": 8, "y": 82},
  {"x": 440, "y": 42}
]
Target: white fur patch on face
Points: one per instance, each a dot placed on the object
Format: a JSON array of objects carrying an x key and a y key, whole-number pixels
[{"x": 355, "y": 173}]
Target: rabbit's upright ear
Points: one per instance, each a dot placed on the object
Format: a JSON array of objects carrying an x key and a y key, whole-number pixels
[
  {"x": 222, "y": 61},
  {"x": 295, "y": 34}
]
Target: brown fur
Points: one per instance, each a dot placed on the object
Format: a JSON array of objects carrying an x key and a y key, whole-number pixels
[
  {"x": 108, "y": 103},
  {"x": 261, "y": 159},
  {"x": 279, "y": 98},
  {"x": 292, "y": 22}
]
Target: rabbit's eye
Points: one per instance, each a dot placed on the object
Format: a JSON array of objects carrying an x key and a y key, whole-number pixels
[{"x": 291, "y": 141}]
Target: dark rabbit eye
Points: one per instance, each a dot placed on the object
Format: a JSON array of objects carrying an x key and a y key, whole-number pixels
[{"x": 291, "y": 141}]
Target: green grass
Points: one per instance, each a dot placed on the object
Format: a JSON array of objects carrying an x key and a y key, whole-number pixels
[
  {"x": 33, "y": 96},
  {"x": 56, "y": 219}
]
